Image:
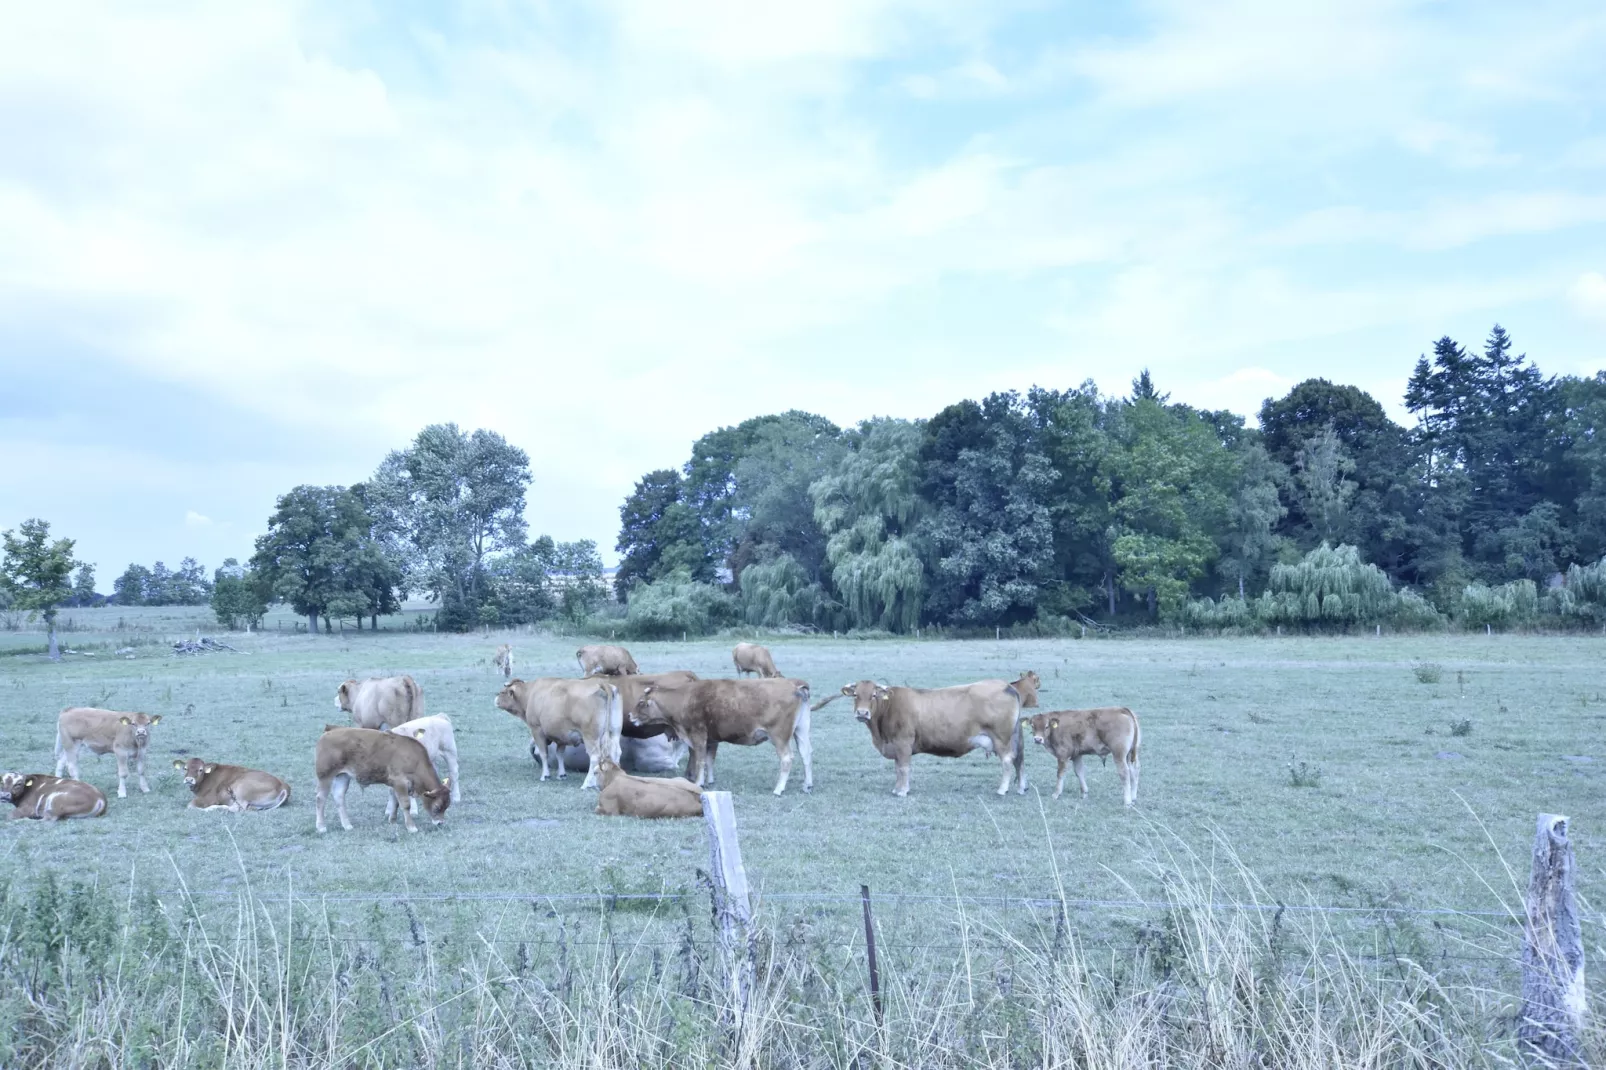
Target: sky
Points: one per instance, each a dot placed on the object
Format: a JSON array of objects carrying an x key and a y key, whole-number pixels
[{"x": 248, "y": 246}]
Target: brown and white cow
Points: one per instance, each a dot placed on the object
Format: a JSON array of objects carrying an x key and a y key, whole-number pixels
[
  {"x": 604, "y": 660},
  {"x": 381, "y": 701},
  {"x": 235, "y": 788},
  {"x": 750, "y": 657},
  {"x": 636, "y": 796},
  {"x": 1107, "y": 730},
  {"x": 125, "y": 735},
  {"x": 366, "y": 756},
  {"x": 562, "y": 711},
  {"x": 435, "y": 733},
  {"x": 945, "y": 721},
  {"x": 49, "y": 798},
  {"x": 503, "y": 660},
  {"x": 706, "y": 713}
]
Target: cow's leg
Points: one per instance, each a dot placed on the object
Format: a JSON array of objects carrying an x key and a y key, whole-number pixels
[
  {"x": 122, "y": 775},
  {"x": 451, "y": 771},
  {"x": 805, "y": 747},
  {"x": 1007, "y": 760},
  {"x": 697, "y": 763},
  {"x": 65, "y": 753},
  {"x": 1124, "y": 770},
  {"x": 1081, "y": 778},
  {"x": 902, "y": 757},
  {"x": 1059, "y": 786},
  {"x": 538, "y": 749},
  {"x": 323, "y": 793},
  {"x": 591, "y": 764},
  {"x": 139, "y": 758},
  {"x": 783, "y": 750},
  {"x": 341, "y": 782},
  {"x": 707, "y": 764},
  {"x": 398, "y": 800},
  {"x": 390, "y": 806}
]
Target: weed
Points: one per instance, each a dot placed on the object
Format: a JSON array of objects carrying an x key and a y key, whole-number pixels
[
  {"x": 1302, "y": 774},
  {"x": 1428, "y": 672},
  {"x": 1259, "y": 718},
  {"x": 1462, "y": 727}
]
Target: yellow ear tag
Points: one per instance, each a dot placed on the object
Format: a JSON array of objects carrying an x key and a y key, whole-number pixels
[
  {"x": 1053, "y": 724},
  {"x": 29, "y": 784}
]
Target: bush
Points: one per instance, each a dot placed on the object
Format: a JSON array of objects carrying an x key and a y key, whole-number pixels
[
  {"x": 1428, "y": 672},
  {"x": 778, "y": 594},
  {"x": 1583, "y": 599},
  {"x": 676, "y": 605},
  {"x": 1331, "y": 589},
  {"x": 1302, "y": 774},
  {"x": 1516, "y": 602}
]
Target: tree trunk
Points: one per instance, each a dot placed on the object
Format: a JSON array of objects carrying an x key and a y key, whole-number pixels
[
  {"x": 1153, "y": 603},
  {"x": 1109, "y": 585},
  {"x": 55, "y": 651},
  {"x": 359, "y": 622},
  {"x": 374, "y": 620},
  {"x": 1240, "y": 586},
  {"x": 328, "y": 628},
  {"x": 312, "y": 624}
]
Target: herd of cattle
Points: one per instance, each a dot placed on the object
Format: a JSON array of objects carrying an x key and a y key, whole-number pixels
[{"x": 612, "y": 717}]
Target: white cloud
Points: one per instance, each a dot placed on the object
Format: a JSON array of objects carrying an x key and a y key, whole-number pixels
[
  {"x": 192, "y": 519},
  {"x": 1588, "y": 295}
]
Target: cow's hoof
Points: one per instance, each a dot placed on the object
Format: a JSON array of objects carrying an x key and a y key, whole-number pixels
[
  {"x": 413, "y": 829},
  {"x": 121, "y": 794},
  {"x": 808, "y": 789},
  {"x": 321, "y": 830}
]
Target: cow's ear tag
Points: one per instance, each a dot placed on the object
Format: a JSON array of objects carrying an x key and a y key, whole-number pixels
[
  {"x": 1053, "y": 724},
  {"x": 205, "y": 769},
  {"x": 29, "y": 783},
  {"x": 157, "y": 719},
  {"x": 124, "y": 720},
  {"x": 177, "y": 764},
  {"x": 418, "y": 733}
]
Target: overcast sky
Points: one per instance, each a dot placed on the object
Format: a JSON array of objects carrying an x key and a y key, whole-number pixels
[{"x": 250, "y": 245}]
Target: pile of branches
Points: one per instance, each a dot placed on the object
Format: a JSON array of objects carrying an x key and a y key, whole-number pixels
[{"x": 202, "y": 645}]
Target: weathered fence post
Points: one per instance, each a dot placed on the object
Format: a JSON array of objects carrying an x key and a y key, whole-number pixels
[
  {"x": 733, "y": 915},
  {"x": 869, "y": 954},
  {"x": 1552, "y": 950}
]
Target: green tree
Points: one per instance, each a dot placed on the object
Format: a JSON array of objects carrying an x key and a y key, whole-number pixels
[
  {"x": 36, "y": 573},
  {"x": 83, "y": 586},
  {"x": 676, "y": 605},
  {"x": 868, "y": 508},
  {"x": 319, "y": 555},
  {"x": 239, "y": 598},
  {"x": 454, "y": 498},
  {"x": 778, "y": 594},
  {"x": 1250, "y": 544},
  {"x": 521, "y": 583},
  {"x": 129, "y": 589},
  {"x": 1072, "y": 434},
  {"x": 1321, "y": 474},
  {"x": 577, "y": 575},
  {"x": 658, "y": 533}
]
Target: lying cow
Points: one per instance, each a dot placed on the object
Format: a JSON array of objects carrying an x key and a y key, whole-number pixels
[
  {"x": 47, "y": 798},
  {"x": 706, "y": 713},
  {"x": 381, "y": 701},
  {"x": 503, "y": 660},
  {"x": 603, "y": 660},
  {"x": 662, "y": 753},
  {"x": 231, "y": 787},
  {"x": 945, "y": 721},
  {"x": 1108, "y": 730},
  {"x": 636, "y": 796},
  {"x": 750, "y": 657},
  {"x": 562, "y": 711},
  {"x": 364, "y": 756},
  {"x": 435, "y": 733},
  {"x": 104, "y": 732}
]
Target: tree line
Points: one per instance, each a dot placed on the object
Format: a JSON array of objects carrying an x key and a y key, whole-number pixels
[{"x": 1056, "y": 506}]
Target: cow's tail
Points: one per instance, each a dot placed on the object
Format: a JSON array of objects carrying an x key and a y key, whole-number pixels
[
  {"x": 610, "y": 724},
  {"x": 1017, "y": 752},
  {"x": 826, "y": 701},
  {"x": 1137, "y": 738},
  {"x": 100, "y": 807},
  {"x": 415, "y": 698}
]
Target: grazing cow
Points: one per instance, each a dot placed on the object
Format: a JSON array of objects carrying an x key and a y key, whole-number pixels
[
  {"x": 503, "y": 660},
  {"x": 750, "y": 657},
  {"x": 435, "y": 733},
  {"x": 706, "y": 713},
  {"x": 605, "y": 660},
  {"x": 231, "y": 787},
  {"x": 1112, "y": 730},
  {"x": 366, "y": 756},
  {"x": 563, "y": 711},
  {"x": 945, "y": 721},
  {"x": 48, "y": 798},
  {"x": 104, "y": 731},
  {"x": 382, "y": 701},
  {"x": 635, "y": 796}
]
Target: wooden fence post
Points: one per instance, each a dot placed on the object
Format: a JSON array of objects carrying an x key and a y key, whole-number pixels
[
  {"x": 733, "y": 914},
  {"x": 1552, "y": 950},
  {"x": 869, "y": 951}
]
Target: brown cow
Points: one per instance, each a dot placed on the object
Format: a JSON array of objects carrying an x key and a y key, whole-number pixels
[
  {"x": 750, "y": 657},
  {"x": 367, "y": 756},
  {"x": 231, "y": 787},
  {"x": 946, "y": 721},
  {"x": 706, "y": 713},
  {"x": 637, "y": 796},
  {"x": 1070, "y": 734},
  {"x": 603, "y": 660},
  {"x": 382, "y": 701},
  {"x": 503, "y": 660},
  {"x": 104, "y": 731},
  {"x": 1027, "y": 687},
  {"x": 564, "y": 711},
  {"x": 48, "y": 798},
  {"x": 630, "y": 690}
]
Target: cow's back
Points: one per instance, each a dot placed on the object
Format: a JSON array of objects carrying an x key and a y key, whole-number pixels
[
  {"x": 729, "y": 709},
  {"x": 58, "y": 797},
  {"x": 372, "y": 756},
  {"x": 944, "y": 721},
  {"x": 91, "y": 725}
]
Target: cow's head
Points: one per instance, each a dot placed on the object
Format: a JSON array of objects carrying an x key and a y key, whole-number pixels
[
  {"x": 343, "y": 695},
  {"x": 193, "y": 770},
  {"x": 508, "y": 698},
  {"x": 1042, "y": 725},
  {"x": 647, "y": 710},
  {"x": 866, "y": 696},
  {"x": 12, "y": 785},
  {"x": 436, "y": 802},
  {"x": 139, "y": 726},
  {"x": 1027, "y": 687}
]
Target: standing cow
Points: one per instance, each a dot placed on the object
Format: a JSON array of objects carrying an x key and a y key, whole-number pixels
[
  {"x": 436, "y": 734},
  {"x": 215, "y": 786},
  {"x": 379, "y": 702},
  {"x": 104, "y": 732},
  {"x": 706, "y": 713},
  {"x": 750, "y": 657},
  {"x": 46, "y": 798},
  {"x": 503, "y": 660},
  {"x": 1109, "y": 730},
  {"x": 603, "y": 660},
  {"x": 562, "y": 711},
  {"x": 363, "y": 756}
]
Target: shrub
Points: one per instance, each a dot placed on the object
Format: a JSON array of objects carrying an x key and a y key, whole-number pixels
[
  {"x": 1428, "y": 672},
  {"x": 1583, "y": 599},
  {"x": 675, "y": 605},
  {"x": 1516, "y": 602},
  {"x": 778, "y": 594},
  {"x": 1302, "y": 774},
  {"x": 1462, "y": 727}
]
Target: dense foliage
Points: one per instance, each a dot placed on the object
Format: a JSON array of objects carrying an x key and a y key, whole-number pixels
[
  {"x": 36, "y": 572},
  {"x": 161, "y": 586},
  {"x": 1032, "y": 509}
]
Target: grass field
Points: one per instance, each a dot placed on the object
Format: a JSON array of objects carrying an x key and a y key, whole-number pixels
[{"x": 1403, "y": 813}]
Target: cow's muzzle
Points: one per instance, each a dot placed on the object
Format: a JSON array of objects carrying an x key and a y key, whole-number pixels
[{"x": 862, "y": 715}]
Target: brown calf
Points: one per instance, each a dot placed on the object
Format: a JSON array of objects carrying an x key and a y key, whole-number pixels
[
  {"x": 1071, "y": 734},
  {"x": 48, "y": 798},
  {"x": 504, "y": 661},
  {"x": 104, "y": 731},
  {"x": 706, "y": 713},
  {"x": 366, "y": 756},
  {"x": 231, "y": 787},
  {"x": 636, "y": 796}
]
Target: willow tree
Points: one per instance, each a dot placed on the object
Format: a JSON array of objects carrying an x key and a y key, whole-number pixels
[
  {"x": 867, "y": 507},
  {"x": 1331, "y": 587},
  {"x": 778, "y": 593}
]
